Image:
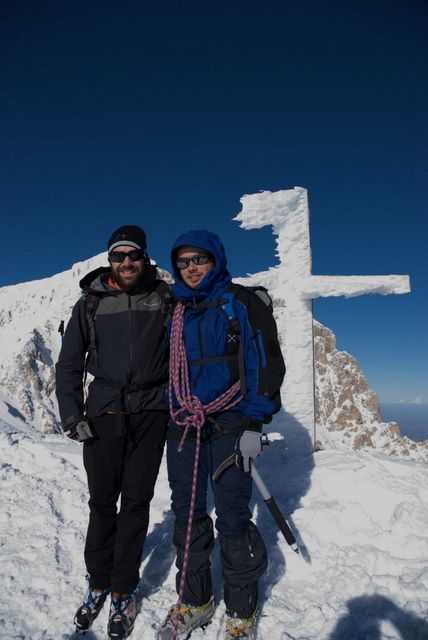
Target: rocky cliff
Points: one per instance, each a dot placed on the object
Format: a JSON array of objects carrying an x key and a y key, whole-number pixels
[{"x": 347, "y": 410}]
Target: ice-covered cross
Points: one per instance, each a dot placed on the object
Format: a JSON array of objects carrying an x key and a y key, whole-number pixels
[{"x": 288, "y": 213}]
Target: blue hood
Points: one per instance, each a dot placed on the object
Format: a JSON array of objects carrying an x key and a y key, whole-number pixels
[{"x": 216, "y": 281}]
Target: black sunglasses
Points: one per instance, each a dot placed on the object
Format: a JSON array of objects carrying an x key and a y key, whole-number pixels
[
  {"x": 120, "y": 256},
  {"x": 198, "y": 258}
]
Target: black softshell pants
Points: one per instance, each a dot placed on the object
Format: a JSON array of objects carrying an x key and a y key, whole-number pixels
[
  {"x": 243, "y": 552},
  {"x": 122, "y": 461}
]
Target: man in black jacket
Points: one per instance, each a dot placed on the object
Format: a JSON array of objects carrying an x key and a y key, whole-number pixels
[{"x": 117, "y": 334}]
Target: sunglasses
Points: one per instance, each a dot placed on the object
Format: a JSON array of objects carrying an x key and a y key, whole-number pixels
[
  {"x": 198, "y": 258},
  {"x": 120, "y": 256}
]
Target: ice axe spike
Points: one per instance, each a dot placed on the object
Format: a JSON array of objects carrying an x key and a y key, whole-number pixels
[{"x": 274, "y": 509}]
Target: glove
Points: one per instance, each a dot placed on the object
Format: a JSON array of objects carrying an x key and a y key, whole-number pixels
[
  {"x": 248, "y": 446},
  {"x": 79, "y": 431}
]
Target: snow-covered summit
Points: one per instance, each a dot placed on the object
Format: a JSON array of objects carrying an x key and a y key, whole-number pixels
[
  {"x": 348, "y": 414},
  {"x": 360, "y": 516}
]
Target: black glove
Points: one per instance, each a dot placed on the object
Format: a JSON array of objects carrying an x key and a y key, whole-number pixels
[
  {"x": 79, "y": 431},
  {"x": 248, "y": 446}
]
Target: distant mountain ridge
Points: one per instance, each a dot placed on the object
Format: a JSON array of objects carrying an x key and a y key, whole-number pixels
[
  {"x": 412, "y": 418},
  {"x": 347, "y": 411}
]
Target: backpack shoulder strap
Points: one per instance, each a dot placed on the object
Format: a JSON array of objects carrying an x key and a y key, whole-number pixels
[
  {"x": 234, "y": 341},
  {"x": 92, "y": 301},
  {"x": 167, "y": 297}
]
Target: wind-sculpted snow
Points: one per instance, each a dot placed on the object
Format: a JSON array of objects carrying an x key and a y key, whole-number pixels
[
  {"x": 361, "y": 522},
  {"x": 292, "y": 281}
]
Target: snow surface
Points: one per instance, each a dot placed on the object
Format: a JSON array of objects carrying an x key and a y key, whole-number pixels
[{"x": 361, "y": 521}]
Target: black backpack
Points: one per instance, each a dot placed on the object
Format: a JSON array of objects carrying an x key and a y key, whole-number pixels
[{"x": 259, "y": 307}]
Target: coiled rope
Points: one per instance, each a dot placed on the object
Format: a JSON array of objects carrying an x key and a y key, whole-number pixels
[{"x": 191, "y": 413}]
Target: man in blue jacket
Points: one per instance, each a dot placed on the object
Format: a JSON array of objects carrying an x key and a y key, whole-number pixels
[{"x": 231, "y": 347}]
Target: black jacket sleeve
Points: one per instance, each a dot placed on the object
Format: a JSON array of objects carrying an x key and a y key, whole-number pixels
[{"x": 70, "y": 367}]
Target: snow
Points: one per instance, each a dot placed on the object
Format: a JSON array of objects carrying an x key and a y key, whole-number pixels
[
  {"x": 30, "y": 314},
  {"x": 288, "y": 213},
  {"x": 360, "y": 519}
]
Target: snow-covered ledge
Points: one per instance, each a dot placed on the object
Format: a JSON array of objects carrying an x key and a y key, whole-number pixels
[{"x": 292, "y": 281}]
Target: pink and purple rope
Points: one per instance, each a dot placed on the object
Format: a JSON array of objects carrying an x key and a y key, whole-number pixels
[{"x": 191, "y": 413}]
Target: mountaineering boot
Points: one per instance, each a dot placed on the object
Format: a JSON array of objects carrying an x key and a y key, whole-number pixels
[
  {"x": 123, "y": 611},
  {"x": 241, "y": 628},
  {"x": 190, "y": 618},
  {"x": 92, "y": 605}
]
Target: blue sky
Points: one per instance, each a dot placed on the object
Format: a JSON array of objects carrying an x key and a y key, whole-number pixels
[{"x": 164, "y": 114}]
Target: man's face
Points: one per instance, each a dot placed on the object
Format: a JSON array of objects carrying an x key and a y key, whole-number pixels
[
  {"x": 193, "y": 274},
  {"x": 127, "y": 273}
]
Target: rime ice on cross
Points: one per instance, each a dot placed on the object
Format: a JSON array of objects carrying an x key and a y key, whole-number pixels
[{"x": 288, "y": 213}]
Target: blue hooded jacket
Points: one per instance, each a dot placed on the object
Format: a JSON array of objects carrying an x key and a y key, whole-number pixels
[
  {"x": 206, "y": 330},
  {"x": 216, "y": 281}
]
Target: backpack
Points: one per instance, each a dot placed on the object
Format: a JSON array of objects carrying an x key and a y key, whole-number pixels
[{"x": 258, "y": 304}]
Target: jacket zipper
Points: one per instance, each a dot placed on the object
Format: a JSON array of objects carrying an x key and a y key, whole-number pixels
[{"x": 131, "y": 355}]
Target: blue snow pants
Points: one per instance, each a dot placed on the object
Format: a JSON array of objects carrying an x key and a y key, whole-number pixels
[{"x": 232, "y": 491}]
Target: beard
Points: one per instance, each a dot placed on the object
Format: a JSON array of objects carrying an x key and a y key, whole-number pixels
[{"x": 133, "y": 276}]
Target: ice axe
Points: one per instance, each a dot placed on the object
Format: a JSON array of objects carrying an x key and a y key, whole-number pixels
[{"x": 268, "y": 499}]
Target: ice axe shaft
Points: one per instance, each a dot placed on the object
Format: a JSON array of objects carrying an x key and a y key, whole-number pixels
[
  {"x": 274, "y": 509},
  {"x": 267, "y": 498}
]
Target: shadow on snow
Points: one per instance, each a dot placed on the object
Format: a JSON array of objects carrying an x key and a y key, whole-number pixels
[
  {"x": 366, "y": 615},
  {"x": 286, "y": 467},
  {"x": 160, "y": 551}
]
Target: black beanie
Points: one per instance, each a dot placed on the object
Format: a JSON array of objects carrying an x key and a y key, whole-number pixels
[{"x": 130, "y": 235}]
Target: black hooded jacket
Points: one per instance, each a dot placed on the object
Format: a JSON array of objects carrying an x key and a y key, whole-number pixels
[{"x": 130, "y": 361}]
